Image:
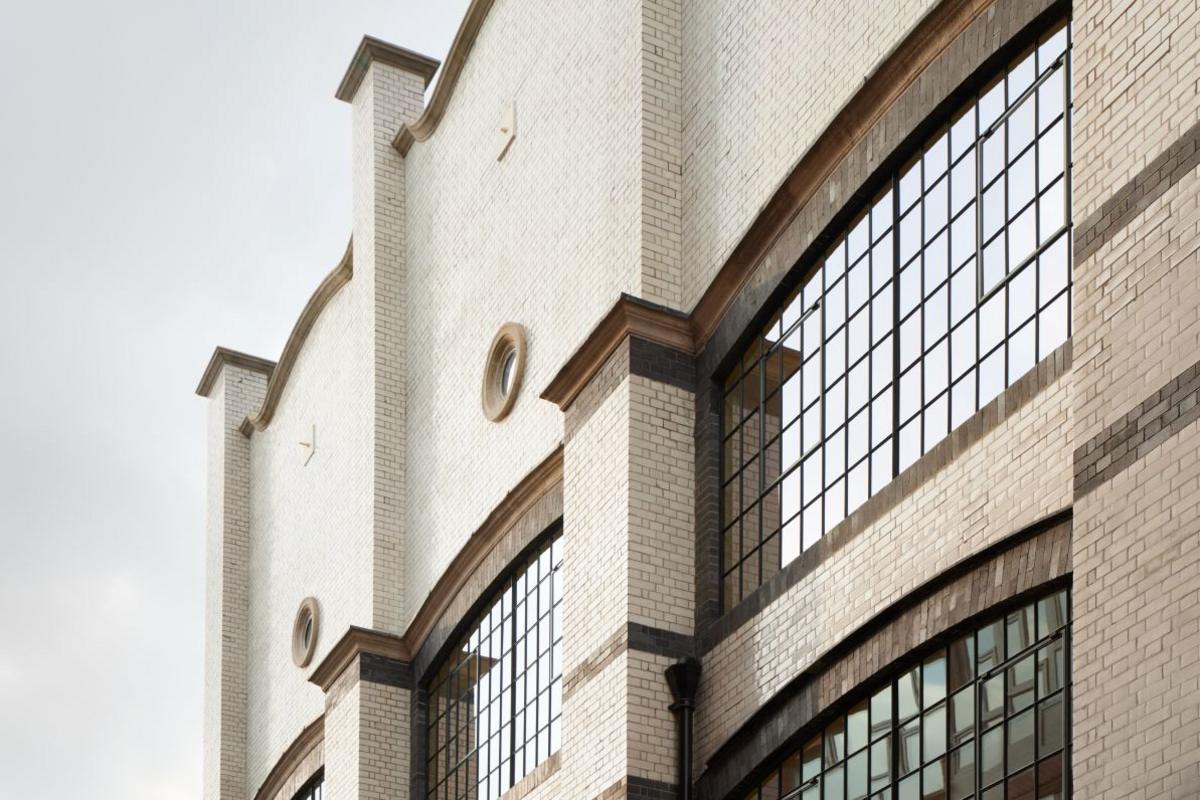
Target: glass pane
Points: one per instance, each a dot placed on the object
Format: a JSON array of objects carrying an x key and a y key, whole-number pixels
[
  {"x": 933, "y": 680},
  {"x": 962, "y": 773},
  {"x": 933, "y": 731},
  {"x": 962, "y": 716},
  {"x": 910, "y": 746},
  {"x": 856, "y": 777},
  {"x": 991, "y": 700},
  {"x": 1050, "y": 778},
  {"x": 881, "y": 712},
  {"x": 934, "y": 781},
  {"x": 834, "y": 784},
  {"x": 991, "y": 756},
  {"x": 1050, "y": 725},
  {"x": 1021, "y": 684},
  {"x": 835, "y": 747},
  {"x": 790, "y": 773},
  {"x": 1020, "y": 630},
  {"x": 1020, "y": 787},
  {"x": 856, "y": 728},
  {"x": 881, "y": 763},
  {"x": 1053, "y": 613},
  {"x": 1020, "y": 741},
  {"x": 811, "y": 758}
]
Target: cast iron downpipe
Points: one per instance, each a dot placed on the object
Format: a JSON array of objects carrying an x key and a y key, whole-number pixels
[{"x": 684, "y": 678}]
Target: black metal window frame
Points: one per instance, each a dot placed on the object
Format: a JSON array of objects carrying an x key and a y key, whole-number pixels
[
  {"x": 949, "y": 285},
  {"x": 986, "y": 715},
  {"x": 495, "y": 702}
]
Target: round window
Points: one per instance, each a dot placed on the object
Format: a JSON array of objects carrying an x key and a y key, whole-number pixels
[
  {"x": 503, "y": 371},
  {"x": 304, "y": 632}
]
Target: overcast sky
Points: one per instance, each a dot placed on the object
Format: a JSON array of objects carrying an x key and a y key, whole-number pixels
[{"x": 173, "y": 175}]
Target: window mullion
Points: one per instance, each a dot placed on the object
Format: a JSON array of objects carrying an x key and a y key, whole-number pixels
[
  {"x": 895, "y": 325},
  {"x": 512, "y": 690}
]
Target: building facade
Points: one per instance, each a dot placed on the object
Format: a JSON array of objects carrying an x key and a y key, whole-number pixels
[{"x": 732, "y": 400}]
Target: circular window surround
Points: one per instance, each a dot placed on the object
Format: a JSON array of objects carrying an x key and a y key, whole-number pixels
[
  {"x": 304, "y": 632},
  {"x": 503, "y": 371}
]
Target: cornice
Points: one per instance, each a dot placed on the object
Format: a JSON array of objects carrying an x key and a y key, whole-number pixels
[
  {"x": 222, "y": 356},
  {"x": 887, "y": 83},
  {"x": 334, "y": 281},
  {"x": 371, "y": 49},
  {"x": 296, "y": 752},
  {"x": 354, "y": 643},
  {"x": 464, "y": 40},
  {"x": 629, "y": 316}
]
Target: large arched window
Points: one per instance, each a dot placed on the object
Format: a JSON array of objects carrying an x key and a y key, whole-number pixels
[
  {"x": 495, "y": 704},
  {"x": 985, "y": 716},
  {"x": 946, "y": 288}
]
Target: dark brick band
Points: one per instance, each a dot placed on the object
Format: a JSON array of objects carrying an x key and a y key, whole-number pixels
[
  {"x": 635, "y": 788},
  {"x": 661, "y": 363},
  {"x": 634, "y": 636},
  {"x": 388, "y": 671},
  {"x": 646, "y": 789},
  {"x": 659, "y": 642},
  {"x": 1173, "y": 164},
  {"x": 1132, "y": 437},
  {"x": 1001, "y": 576}
]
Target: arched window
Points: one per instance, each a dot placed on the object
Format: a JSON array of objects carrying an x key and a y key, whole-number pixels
[
  {"x": 945, "y": 289},
  {"x": 985, "y": 716},
  {"x": 495, "y": 704}
]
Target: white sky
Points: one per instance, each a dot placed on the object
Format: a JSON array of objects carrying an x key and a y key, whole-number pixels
[{"x": 173, "y": 175}]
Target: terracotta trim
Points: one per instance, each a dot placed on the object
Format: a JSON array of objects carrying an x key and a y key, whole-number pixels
[
  {"x": 370, "y": 50},
  {"x": 464, "y": 40},
  {"x": 311, "y": 737},
  {"x": 524, "y": 496},
  {"x": 354, "y": 643},
  {"x": 223, "y": 356},
  {"x": 334, "y": 281},
  {"x": 932, "y": 36},
  {"x": 629, "y": 316}
]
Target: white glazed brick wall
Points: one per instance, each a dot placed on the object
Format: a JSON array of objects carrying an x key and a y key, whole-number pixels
[
  {"x": 235, "y": 393},
  {"x": 1130, "y": 103},
  {"x": 343, "y": 725},
  {"x": 762, "y": 79},
  {"x": 547, "y": 238},
  {"x": 595, "y": 520},
  {"x": 662, "y": 466},
  {"x": 1137, "y": 320},
  {"x": 1019, "y": 473},
  {"x": 1137, "y": 309},
  {"x": 653, "y": 732},
  {"x": 1136, "y": 629},
  {"x": 386, "y": 99},
  {"x": 311, "y": 524},
  {"x": 662, "y": 163},
  {"x": 366, "y": 739},
  {"x": 332, "y": 528}
]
